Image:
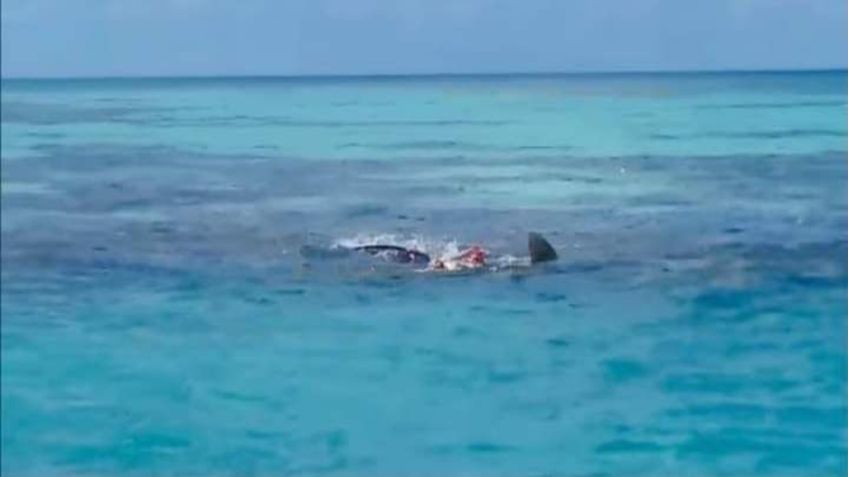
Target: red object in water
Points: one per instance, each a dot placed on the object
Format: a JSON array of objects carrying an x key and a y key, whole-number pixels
[{"x": 474, "y": 256}]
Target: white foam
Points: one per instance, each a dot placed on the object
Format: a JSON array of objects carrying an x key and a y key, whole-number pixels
[{"x": 509, "y": 261}]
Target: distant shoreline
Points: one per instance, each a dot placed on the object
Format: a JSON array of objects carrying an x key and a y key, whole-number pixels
[{"x": 413, "y": 76}]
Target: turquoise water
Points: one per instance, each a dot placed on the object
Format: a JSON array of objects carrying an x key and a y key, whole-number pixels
[{"x": 159, "y": 318}]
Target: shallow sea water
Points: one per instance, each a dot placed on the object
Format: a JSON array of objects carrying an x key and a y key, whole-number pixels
[{"x": 160, "y": 318}]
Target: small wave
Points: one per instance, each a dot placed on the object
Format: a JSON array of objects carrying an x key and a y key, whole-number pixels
[
  {"x": 790, "y": 105},
  {"x": 776, "y": 134}
]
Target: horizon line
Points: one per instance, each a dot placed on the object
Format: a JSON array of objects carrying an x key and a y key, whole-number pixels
[{"x": 434, "y": 75}]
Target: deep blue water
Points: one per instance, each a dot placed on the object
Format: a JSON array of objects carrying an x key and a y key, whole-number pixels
[{"x": 160, "y": 318}]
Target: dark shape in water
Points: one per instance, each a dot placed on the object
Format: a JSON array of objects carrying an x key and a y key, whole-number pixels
[
  {"x": 540, "y": 249},
  {"x": 396, "y": 254}
]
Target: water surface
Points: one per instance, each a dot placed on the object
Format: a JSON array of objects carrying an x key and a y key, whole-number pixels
[{"x": 159, "y": 318}]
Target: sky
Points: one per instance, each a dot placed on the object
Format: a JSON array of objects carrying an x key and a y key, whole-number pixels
[{"x": 63, "y": 38}]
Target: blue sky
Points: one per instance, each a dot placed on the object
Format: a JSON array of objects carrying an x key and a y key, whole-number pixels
[{"x": 290, "y": 37}]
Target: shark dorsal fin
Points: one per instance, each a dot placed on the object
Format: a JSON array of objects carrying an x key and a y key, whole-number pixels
[{"x": 540, "y": 249}]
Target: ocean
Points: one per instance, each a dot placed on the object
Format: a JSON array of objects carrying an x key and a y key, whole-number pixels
[{"x": 165, "y": 312}]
